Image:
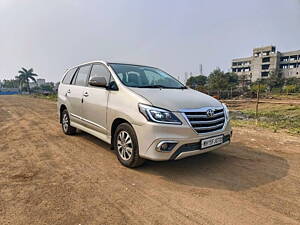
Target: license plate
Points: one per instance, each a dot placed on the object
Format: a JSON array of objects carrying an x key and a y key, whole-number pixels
[{"x": 205, "y": 143}]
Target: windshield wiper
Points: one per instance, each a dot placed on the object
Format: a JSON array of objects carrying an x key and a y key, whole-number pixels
[
  {"x": 161, "y": 86},
  {"x": 153, "y": 86}
]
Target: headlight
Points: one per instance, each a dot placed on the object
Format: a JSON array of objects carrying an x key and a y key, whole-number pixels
[
  {"x": 226, "y": 111},
  {"x": 158, "y": 115}
]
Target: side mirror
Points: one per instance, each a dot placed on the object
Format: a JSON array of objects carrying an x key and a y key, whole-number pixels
[{"x": 98, "y": 82}]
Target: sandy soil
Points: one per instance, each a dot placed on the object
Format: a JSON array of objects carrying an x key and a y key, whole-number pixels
[{"x": 47, "y": 177}]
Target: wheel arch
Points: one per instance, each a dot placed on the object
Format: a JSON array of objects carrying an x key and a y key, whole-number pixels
[
  {"x": 61, "y": 109},
  {"x": 114, "y": 126}
]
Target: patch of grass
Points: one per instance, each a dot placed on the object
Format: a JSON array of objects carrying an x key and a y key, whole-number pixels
[
  {"x": 51, "y": 97},
  {"x": 277, "y": 117},
  {"x": 284, "y": 96}
]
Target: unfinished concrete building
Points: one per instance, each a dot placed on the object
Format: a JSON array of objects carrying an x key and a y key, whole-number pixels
[{"x": 267, "y": 59}]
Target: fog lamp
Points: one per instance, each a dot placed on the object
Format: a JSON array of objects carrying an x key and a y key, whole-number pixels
[{"x": 166, "y": 146}]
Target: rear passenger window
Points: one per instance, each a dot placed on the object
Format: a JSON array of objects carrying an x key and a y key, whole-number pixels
[
  {"x": 82, "y": 75},
  {"x": 68, "y": 77},
  {"x": 100, "y": 70}
]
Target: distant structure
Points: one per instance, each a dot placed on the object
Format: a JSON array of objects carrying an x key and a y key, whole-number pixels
[
  {"x": 40, "y": 81},
  {"x": 201, "y": 69},
  {"x": 267, "y": 59}
]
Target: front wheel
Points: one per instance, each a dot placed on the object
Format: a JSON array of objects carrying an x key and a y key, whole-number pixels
[
  {"x": 126, "y": 145},
  {"x": 65, "y": 123}
]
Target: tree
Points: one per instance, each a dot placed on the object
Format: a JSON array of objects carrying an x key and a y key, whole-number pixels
[
  {"x": 292, "y": 81},
  {"x": 196, "y": 81},
  {"x": 47, "y": 87},
  {"x": 217, "y": 80},
  {"x": 275, "y": 80},
  {"x": 13, "y": 83},
  {"x": 233, "y": 79},
  {"x": 24, "y": 77}
]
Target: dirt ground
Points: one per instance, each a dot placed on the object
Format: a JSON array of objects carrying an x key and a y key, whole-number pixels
[{"x": 47, "y": 177}]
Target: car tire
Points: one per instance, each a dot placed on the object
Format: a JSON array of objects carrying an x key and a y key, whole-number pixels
[
  {"x": 126, "y": 145},
  {"x": 65, "y": 123}
]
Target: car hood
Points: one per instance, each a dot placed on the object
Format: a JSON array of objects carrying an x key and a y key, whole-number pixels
[{"x": 177, "y": 99}]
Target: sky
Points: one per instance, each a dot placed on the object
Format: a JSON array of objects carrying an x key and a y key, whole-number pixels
[{"x": 175, "y": 35}]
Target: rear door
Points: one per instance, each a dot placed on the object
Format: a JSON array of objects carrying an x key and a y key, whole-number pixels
[
  {"x": 95, "y": 101},
  {"x": 65, "y": 88},
  {"x": 75, "y": 93}
]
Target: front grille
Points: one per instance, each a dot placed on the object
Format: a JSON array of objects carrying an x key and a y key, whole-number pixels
[{"x": 202, "y": 123}]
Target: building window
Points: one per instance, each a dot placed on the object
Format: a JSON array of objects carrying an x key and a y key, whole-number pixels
[
  {"x": 266, "y": 59},
  {"x": 284, "y": 59},
  {"x": 284, "y": 66},
  {"x": 264, "y": 74},
  {"x": 293, "y": 57},
  {"x": 265, "y": 67},
  {"x": 265, "y": 53}
]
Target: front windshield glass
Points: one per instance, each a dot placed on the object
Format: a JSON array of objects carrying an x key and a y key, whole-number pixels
[{"x": 144, "y": 77}]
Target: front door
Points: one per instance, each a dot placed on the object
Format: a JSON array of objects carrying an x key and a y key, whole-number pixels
[{"x": 95, "y": 101}]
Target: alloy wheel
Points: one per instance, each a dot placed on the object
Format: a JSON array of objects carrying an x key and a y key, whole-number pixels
[
  {"x": 124, "y": 145},
  {"x": 65, "y": 122}
]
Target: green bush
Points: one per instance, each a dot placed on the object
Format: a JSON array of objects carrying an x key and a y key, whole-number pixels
[
  {"x": 262, "y": 88},
  {"x": 290, "y": 89}
]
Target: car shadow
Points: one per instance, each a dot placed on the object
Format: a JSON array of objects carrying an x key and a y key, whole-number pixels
[
  {"x": 234, "y": 167},
  {"x": 94, "y": 140}
]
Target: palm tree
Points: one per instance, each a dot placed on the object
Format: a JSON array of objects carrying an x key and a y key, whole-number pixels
[{"x": 24, "y": 77}]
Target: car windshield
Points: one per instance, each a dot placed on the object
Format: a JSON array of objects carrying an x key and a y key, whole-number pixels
[{"x": 145, "y": 77}]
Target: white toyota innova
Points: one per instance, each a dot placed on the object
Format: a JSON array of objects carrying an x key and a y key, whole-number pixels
[{"x": 142, "y": 111}]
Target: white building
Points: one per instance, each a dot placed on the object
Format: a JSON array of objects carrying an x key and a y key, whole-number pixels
[{"x": 40, "y": 81}]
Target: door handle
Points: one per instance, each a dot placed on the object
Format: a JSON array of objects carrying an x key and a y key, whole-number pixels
[
  {"x": 68, "y": 92},
  {"x": 86, "y": 94}
]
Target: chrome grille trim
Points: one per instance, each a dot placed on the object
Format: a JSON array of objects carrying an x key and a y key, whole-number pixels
[
  {"x": 209, "y": 128},
  {"x": 208, "y": 121},
  {"x": 204, "y": 116},
  {"x": 201, "y": 123}
]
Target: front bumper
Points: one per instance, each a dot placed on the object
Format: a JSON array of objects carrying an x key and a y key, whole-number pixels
[{"x": 188, "y": 141}]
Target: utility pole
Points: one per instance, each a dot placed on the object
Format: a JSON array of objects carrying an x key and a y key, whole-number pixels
[{"x": 257, "y": 101}]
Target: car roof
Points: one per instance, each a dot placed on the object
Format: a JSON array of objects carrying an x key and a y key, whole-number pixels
[{"x": 106, "y": 63}]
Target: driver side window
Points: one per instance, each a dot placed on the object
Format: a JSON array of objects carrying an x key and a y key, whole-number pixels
[{"x": 99, "y": 70}]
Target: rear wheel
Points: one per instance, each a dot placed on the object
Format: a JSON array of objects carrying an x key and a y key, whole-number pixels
[
  {"x": 126, "y": 145},
  {"x": 65, "y": 123}
]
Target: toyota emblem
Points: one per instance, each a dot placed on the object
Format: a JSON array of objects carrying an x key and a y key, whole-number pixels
[{"x": 210, "y": 113}]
